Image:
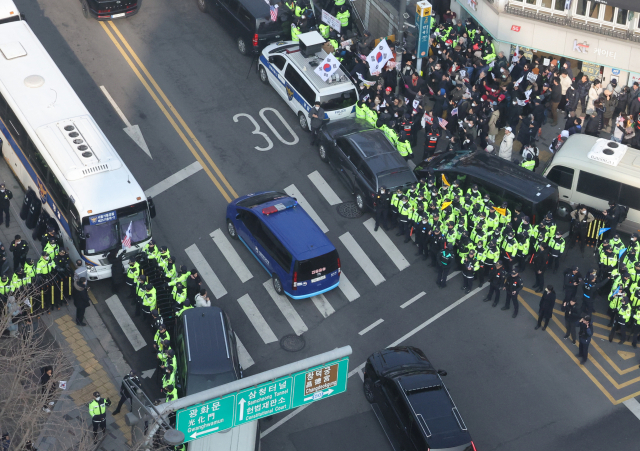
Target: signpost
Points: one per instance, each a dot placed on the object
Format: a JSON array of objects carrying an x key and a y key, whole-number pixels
[
  {"x": 423, "y": 24},
  {"x": 269, "y": 398}
]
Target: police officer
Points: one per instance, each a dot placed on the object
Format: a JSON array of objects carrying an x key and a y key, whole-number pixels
[
  {"x": 556, "y": 249},
  {"x": 545, "y": 310},
  {"x": 445, "y": 262},
  {"x": 584, "y": 338},
  {"x": 98, "y": 412},
  {"x": 539, "y": 266},
  {"x": 571, "y": 316},
  {"x": 572, "y": 279},
  {"x": 381, "y": 202},
  {"x": 19, "y": 248},
  {"x": 132, "y": 274},
  {"x": 50, "y": 233},
  {"x": 171, "y": 393},
  {"x": 469, "y": 268},
  {"x": 622, "y": 319},
  {"x": 124, "y": 393},
  {"x": 404, "y": 216},
  {"x": 589, "y": 291},
  {"x": 496, "y": 283},
  {"x": 5, "y": 202},
  {"x": 436, "y": 243},
  {"x": 423, "y": 233},
  {"x": 512, "y": 285}
]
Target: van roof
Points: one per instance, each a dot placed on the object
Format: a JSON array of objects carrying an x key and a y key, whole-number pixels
[
  {"x": 300, "y": 234},
  {"x": 207, "y": 344},
  {"x": 578, "y": 147},
  {"x": 257, "y": 8},
  {"x": 502, "y": 173}
]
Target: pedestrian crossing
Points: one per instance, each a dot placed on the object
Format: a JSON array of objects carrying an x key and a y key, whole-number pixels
[{"x": 268, "y": 314}]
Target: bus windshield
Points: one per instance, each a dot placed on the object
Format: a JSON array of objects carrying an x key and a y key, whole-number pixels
[{"x": 106, "y": 231}]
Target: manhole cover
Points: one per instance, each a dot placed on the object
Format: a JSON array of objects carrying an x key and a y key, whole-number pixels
[
  {"x": 292, "y": 343},
  {"x": 349, "y": 210}
]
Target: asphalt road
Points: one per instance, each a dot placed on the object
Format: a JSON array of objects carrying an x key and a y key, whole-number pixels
[{"x": 517, "y": 389}]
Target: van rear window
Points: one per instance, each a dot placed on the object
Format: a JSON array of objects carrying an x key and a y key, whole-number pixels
[
  {"x": 339, "y": 100},
  {"x": 318, "y": 266}
]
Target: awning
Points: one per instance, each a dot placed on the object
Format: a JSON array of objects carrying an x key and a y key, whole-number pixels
[{"x": 631, "y": 5}]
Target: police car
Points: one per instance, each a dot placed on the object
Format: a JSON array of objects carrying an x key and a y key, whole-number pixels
[{"x": 290, "y": 68}]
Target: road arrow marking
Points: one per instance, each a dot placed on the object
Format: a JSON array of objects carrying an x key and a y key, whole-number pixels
[
  {"x": 319, "y": 395},
  {"x": 132, "y": 130},
  {"x": 196, "y": 434},
  {"x": 241, "y": 402},
  {"x": 148, "y": 374}
]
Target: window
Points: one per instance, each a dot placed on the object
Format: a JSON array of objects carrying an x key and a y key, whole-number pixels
[
  {"x": 599, "y": 187},
  {"x": 561, "y": 176},
  {"x": 278, "y": 61},
  {"x": 300, "y": 85},
  {"x": 581, "y": 7},
  {"x": 367, "y": 173},
  {"x": 267, "y": 239},
  {"x": 350, "y": 152},
  {"x": 416, "y": 436},
  {"x": 594, "y": 10},
  {"x": 630, "y": 196},
  {"x": 245, "y": 18},
  {"x": 250, "y": 221}
]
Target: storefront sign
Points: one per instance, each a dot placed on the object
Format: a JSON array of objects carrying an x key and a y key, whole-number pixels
[
  {"x": 515, "y": 28},
  {"x": 581, "y": 47},
  {"x": 615, "y": 71},
  {"x": 633, "y": 78}
]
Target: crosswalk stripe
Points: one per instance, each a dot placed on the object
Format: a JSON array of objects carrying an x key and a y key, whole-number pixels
[
  {"x": 452, "y": 275},
  {"x": 257, "y": 319},
  {"x": 387, "y": 245},
  {"x": 363, "y": 259},
  {"x": 292, "y": 191},
  {"x": 347, "y": 288},
  {"x": 284, "y": 304},
  {"x": 231, "y": 255},
  {"x": 126, "y": 323},
  {"x": 243, "y": 356},
  {"x": 324, "y": 188},
  {"x": 323, "y": 305},
  {"x": 209, "y": 277}
]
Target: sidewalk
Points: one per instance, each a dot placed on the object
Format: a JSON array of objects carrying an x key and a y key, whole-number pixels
[{"x": 98, "y": 364}]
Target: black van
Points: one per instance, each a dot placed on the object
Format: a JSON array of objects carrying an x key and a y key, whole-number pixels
[
  {"x": 109, "y": 9},
  {"x": 249, "y": 22},
  {"x": 206, "y": 350},
  {"x": 503, "y": 180}
]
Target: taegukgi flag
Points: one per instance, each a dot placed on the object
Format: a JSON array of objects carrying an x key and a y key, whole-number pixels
[
  {"x": 327, "y": 67},
  {"x": 379, "y": 57}
]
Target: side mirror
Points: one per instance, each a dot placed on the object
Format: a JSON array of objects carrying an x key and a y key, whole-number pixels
[
  {"x": 442, "y": 373},
  {"x": 335, "y": 143},
  {"x": 152, "y": 207}
]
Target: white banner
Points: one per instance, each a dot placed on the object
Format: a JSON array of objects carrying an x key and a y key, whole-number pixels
[
  {"x": 326, "y": 68},
  {"x": 379, "y": 57},
  {"x": 331, "y": 21},
  {"x": 532, "y": 77}
]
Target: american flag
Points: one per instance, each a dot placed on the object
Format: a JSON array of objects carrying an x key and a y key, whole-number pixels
[
  {"x": 126, "y": 243},
  {"x": 273, "y": 12}
]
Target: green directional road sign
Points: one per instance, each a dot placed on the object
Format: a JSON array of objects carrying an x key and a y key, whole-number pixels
[
  {"x": 263, "y": 400},
  {"x": 320, "y": 382},
  {"x": 206, "y": 418}
]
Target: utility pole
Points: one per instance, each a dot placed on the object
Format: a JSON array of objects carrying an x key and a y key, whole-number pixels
[{"x": 399, "y": 37}]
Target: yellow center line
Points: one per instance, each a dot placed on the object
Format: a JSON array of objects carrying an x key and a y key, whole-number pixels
[
  {"x": 166, "y": 113},
  {"x": 173, "y": 110}
]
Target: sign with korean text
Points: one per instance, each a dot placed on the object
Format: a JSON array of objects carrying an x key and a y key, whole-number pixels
[
  {"x": 103, "y": 217},
  {"x": 423, "y": 24},
  {"x": 319, "y": 383},
  {"x": 263, "y": 400},
  {"x": 332, "y": 21},
  {"x": 206, "y": 418}
]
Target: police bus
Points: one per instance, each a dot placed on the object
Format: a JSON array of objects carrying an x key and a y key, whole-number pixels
[{"x": 54, "y": 146}]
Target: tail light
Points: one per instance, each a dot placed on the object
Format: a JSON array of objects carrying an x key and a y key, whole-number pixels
[
  {"x": 339, "y": 266},
  {"x": 473, "y": 446},
  {"x": 255, "y": 40},
  {"x": 295, "y": 277},
  {"x": 102, "y": 11}
]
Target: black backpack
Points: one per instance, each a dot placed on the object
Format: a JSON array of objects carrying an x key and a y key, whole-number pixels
[{"x": 624, "y": 211}]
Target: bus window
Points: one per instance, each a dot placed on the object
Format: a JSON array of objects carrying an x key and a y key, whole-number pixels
[
  {"x": 562, "y": 176},
  {"x": 139, "y": 220},
  {"x": 598, "y": 187}
]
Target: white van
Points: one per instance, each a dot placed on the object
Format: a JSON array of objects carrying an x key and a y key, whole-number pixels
[
  {"x": 592, "y": 171},
  {"x": 292, "y": 75}
]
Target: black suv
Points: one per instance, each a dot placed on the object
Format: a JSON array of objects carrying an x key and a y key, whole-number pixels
[
  {"x": 109, "y": 9},
  {"x": 412, "y": 403},
  {"x": 249, "y": 22},
  {"x": 364, "y": 159},
  {"x": 207, "y": 353}
]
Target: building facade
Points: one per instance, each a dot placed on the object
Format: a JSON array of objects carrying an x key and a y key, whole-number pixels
[{"x": 599, "y": 37}]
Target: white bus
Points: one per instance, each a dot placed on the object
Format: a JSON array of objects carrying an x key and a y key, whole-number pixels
[{"x": 55, "y": 147}]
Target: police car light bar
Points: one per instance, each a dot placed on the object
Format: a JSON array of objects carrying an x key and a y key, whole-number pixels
[{"x": 279, "y": 207}]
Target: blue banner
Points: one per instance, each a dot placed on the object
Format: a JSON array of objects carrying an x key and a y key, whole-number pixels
[
  {"x": 602, "y": 230},
  {"x": 103, "y": 217}
]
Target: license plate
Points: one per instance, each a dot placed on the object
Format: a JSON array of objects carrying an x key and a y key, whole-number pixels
[
  {"x": 115, "y": 16},
  {"x": 318, "y": 279}
]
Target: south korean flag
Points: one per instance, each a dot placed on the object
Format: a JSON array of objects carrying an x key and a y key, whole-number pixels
[
  {"x": 327, "y": 67},
  {"x": 379, "y": 57}
]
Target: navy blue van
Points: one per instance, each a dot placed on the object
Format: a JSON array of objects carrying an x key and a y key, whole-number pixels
[{"x": 288, "y": 244}]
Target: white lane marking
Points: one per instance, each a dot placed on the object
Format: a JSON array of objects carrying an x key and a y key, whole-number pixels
[
  {"x": 205, "y": 271},
  {"x": 257, "y": 319},
  {"x": 413, "y": 299},
  {"x": 363, "y": 259},
  {"x": 115, "y": 106},
  {"x": 284, "y": 304},
  {"x": 292, "y": 191},
  {"x": 231, "y": 255},
  {"x": 133, "y": 131},
  {"x": 347, "y": 288},
  {"x": 361, "y": 374},
  {"x": 634, "y": 406},
  {"x": 173, "y": 180},
  {"x": 323, "y": 305},
  {"x": 126, "y": 323},
  {"x": 387, "y": 245},
  {"x": 368, "y": 328},
  {"x": 243, "y": 356},
  {"x": 273, "y": 129},
  {"x": 452, "y": 275},
  {"x": 324, "y": 188}
]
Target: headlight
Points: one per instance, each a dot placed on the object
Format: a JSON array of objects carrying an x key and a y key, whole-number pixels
[{"x": 92, "y": 268}]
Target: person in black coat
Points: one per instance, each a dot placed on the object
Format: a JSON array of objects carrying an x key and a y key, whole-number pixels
[
  {"x": 540, "y": 259},
  {"x": 80, "y": 299},
  {"x": 316, "y": 116},
  {"x": 584, "y": 336},
  {"x": 571, "y": 316},
  {"x": 496, "y": 282},
  {"x": 193, "y": 285},
  {"x": 117, "y": 270},
  {"x": 545, "y": 311}
]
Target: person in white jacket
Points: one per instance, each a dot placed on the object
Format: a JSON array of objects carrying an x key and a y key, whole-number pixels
[
  {"x": 202, "y": 300},
  {"x": 594, "y": 94},
  {"x": 506, "y": 146}
]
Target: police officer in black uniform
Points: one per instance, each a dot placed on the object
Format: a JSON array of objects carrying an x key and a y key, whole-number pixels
[
  {"x": 436, "y": 243},
  {"x": 512, "y": 285},
  {"x": 496, "y": 282},
  {"x": 539, "y": 265},
  {"x": 589, "y": 291},
  {"x": 382, "y": 204},
  {"x": 423, "y": 233},
  {"x": 20, "y": 249},
  {"x": 5, "y": 202},
  {"x": 445, "y": 262},
  {"x": 124, "y": 393},
  {"x": 572, "y": 279}
]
